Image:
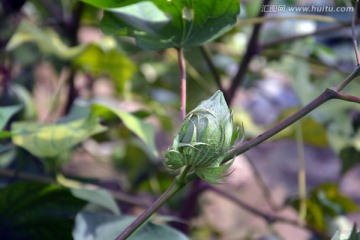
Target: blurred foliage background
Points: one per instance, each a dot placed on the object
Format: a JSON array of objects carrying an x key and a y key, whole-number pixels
[{"x": 85, "y": 118}]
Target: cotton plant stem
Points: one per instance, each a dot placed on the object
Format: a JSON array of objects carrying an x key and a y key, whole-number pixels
[
  {"x": 344, "y": 83},
  {"x": 329, "y": 93},
  {"x": 182, "y": 67},
  {"x": 178, "y": 183},
  {"x": 243, "y": 147},
  {"x": 184, "y": 177}
]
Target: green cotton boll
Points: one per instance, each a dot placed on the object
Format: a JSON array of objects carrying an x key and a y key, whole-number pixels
[{"x": 206, "y": 134}]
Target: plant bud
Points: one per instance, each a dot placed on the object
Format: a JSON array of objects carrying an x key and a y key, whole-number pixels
[{"x": 206, "y": 134}]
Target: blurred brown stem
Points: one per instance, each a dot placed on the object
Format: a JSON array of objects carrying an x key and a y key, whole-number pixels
[
  {"x": 269, "y": 218},
  {"x": 329, "y": 93},
  {"x": 251, "y": 51},
  {"x": 288, "y": 39},
  {"x": 208, "y": 59},
  {"x": 264, "y": 188}
]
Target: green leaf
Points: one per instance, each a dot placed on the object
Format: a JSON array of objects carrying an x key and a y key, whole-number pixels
[
  {"x": 324, "y": 203},
  {"x": 6, "y": 113},
  {"x": 47, "y": 40},
  {"x": 99, "y": 60},
  {"x": 7, "y": 154},
  {"x": 99, "y": 197},
  {"x": 32, "y": 210},
  {"x": 354, "y": 235},
  {"x": 332, "y": 200},
  {"x": 350, "y": 157},
  {"x": 148, "y": 231},
  {"x": 144, "y": 131},
  {"x": 52, "y": 140},
  {"x": 96, "y": 225},
  {"x": 159, "y": 24}
]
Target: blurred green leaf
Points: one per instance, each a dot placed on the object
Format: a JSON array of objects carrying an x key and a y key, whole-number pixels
[
  {"x": 6, "y": 113},
  {"x": 99, "y": 197},
  {"x": 24, "y": 95},
  {"x": 315, "y": 215},
  {"x": 32, "y": 210},
  {"x": 325, "y": 202},
  {"x": 47, "y": 40},
  {"x": 100, "y": 60},
  {"x": 350, "y": 157},
  {"x": 144, "y": 131},
  {"x": 313, "y": 132},
  {"x": 7, "y": 154},
  {"x": 330, "y": 197},
  {"x": 100, "y": 226},
  {"x": 148, "y": 231},
  {"x": 52, "y": 140},
  {"x": 135, "y": 170},
  {"x": 159, "y": 24}
]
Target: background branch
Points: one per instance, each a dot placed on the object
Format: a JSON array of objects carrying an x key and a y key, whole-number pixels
[
  {"x": 208, "y": 59},
  {"x": 324, "y": 30},
  {"x": 267, "y": 217},
  {"x": 251, "y": 51},
  {"x": 264, "y": 188},
  {"x": 321, "y": 99}
]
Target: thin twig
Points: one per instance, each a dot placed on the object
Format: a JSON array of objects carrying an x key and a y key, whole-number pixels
[
  {"x": 347, "y": 97},
  {"x": 351, "y": 77},
  {"x": 182, "y": 68},
  {"x": 73, "y": 29},
  {"x": 25, "y": 176},
  {"x": 251, "y": 51},
  {"x": 178, "y": 183},
  {"x": 288, "y": 39},
  {"x": 207, "y": 56},
  {"x": 354, "y": 36},
  {"x": 264, "y": 188},
  {"x": 311, "y": 61}
]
